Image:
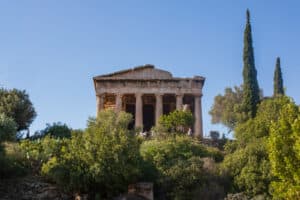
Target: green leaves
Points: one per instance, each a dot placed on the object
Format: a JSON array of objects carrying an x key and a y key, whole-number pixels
[
  {"x": 17, "y": 105},
  {"x": 179, "y": 164},
  {"x": 226, "y": 108},
  {"x": 284, "y": 153},
  {"x": 278, "y": 81},
  {"x": 56, "y": 130},
  {"x": 248, "y": 159},
  {"x": 8, "y": 128},
  {"x": 176, "y": 122},
  {"x": 105, "y": 158},
  {"x": 250, "y": 84}
]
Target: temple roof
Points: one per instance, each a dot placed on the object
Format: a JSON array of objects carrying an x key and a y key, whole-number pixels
[
  {"x": 145, "y": 72},
  {"x": 140, "y": 72}
]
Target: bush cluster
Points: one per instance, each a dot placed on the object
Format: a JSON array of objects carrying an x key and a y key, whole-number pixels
[
  {"x": 103, "y": 159},
  {"x": 180, "y": 165},
  {"x": 264, "y": 159}
]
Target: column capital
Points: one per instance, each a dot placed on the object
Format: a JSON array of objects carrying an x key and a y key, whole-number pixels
[
  {"x": 100, "y": 94},
  {"x": 138, "y": 94},
  {"x": 158, "y": 94},
  {"x": 119, "y": 94},
  {"x": 179, "y": 95}
]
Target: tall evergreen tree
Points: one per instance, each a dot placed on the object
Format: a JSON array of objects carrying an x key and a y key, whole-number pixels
[
  {"x": 278, "y": 81},
  {"x": 250, "y": 85}
]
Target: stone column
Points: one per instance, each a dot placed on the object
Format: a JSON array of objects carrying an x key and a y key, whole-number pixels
[
  {"x": 198, "y": 129},
  {"x": 118, "y": 102},
  {"x": 158, "y": 107},
  {"x": 138, "y": 110},
  {"x": 100, "y": 103},
  {"x": 179, "y": 99}
]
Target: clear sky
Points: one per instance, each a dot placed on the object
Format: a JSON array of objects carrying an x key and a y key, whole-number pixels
[{"x": 52, "y": 49}]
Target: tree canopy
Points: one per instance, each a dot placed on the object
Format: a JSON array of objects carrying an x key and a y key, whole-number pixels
[
  {"x": 105, "y": 158},
  {"x": 17, "y": 105},
  {"x": 250, "y": 84},
  {"x": 57, "y": 130},
  {"x": 8, "y": 128},
  {"x": 278, "y": 81},
  {"x": 226, "y": 108},
  {"x": 284, "y": 153},
  {"x": 247, "y": 161}
]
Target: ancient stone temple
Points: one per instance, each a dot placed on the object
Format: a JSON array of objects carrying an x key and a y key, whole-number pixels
[{"x": 147, "y": 92}]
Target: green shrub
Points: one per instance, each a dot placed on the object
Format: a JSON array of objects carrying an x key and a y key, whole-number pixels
[
  {"x": 180, "y": 147},
  {"x": 178, "y": 163},
  {"x": 38, "y": 152},
  {"x": 284, "y": 153},
  {"x": 8, "y": 128},
  {"x": 9, "y": 165},
  {"x": 104, "y": 159},
  {"x": 176, "y": 122},
  {"x": 55, "y": 130},
  {"x": 11, "y": 161},
  {"x": 247, "y": 161}
]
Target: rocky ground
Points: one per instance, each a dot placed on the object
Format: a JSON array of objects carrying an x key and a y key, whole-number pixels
[{"x": 30, "y": 188}]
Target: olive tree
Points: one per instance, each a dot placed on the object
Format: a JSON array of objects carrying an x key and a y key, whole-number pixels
[{"x": 17, "y": 105}]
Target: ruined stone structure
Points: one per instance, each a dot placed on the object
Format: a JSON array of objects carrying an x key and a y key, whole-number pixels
[{"x": 147, "y": 92}]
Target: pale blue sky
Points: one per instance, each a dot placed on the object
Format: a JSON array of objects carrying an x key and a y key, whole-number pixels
[{"x": 52, "y": 49}]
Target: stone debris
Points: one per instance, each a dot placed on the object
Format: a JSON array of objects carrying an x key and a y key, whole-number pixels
[{"x": 30, "y": 188}]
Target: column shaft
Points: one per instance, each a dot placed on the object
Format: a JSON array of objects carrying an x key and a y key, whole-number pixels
[
  {"x": 179, "y": 99},
  {"x": 118, "y": 102},
  {"x": 100, "y": 103},
  {"x": 198, "y": 129},
  {"x": 158, "y": 107},
  {"x": 138, "y": 111}
]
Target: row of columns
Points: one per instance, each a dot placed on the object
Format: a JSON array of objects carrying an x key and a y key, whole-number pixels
[{"x": 158, "y": 109}]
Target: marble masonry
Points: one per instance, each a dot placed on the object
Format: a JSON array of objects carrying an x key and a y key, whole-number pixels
[{"x": 147, "y": 92}]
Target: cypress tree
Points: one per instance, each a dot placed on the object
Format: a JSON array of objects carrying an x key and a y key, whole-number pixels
[
  {"x": 278, "y": 81},
  {"x": 250, "y": 85}
]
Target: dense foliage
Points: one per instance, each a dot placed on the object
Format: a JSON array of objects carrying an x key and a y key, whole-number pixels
[
  {"x": 17, "y": 105},
  {"x": 284, "y": 153},
  {"x": 176, "y": 122},
  {"x": 248, "y": 161},
  {"x": 16, "y": 114},
  {"x": 104, "y": 159},
  {"x": 227, "y": 108},
  {"x": 278, "y": 81},
  {"x": 8, "y": 132},
  {"x": 39, "y": 152},
  {"x": 8, "y": 128},
  {"x": 250, "y": 84},
  {"x": 179, "y": 165},
  {"x": 57, "y": 130}
]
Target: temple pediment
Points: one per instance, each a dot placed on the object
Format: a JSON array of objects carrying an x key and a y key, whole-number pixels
[{"x": 141, "y": 72}]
